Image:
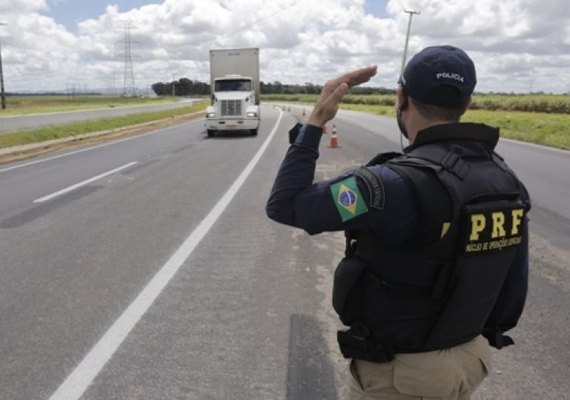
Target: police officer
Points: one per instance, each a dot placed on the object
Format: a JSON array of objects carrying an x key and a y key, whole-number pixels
[{"x": 436, "y": 260}]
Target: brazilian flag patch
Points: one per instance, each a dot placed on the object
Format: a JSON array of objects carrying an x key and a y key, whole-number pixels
[{"x": 348, "y": 199}]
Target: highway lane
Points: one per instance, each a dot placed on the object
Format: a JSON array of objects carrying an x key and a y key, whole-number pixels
[
  {"x": 247, "y": 315},
  {"x": 71, "y": 266},
  {"x": 23, "y": 122},
  {"x": 52, "y": 173}
]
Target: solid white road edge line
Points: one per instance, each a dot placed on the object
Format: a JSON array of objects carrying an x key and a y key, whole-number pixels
[
  {"x": 83, "y": 183},
  {"x": 82, "y": 376}
]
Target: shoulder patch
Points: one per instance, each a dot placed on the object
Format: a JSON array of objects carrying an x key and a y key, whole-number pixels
[
  {"x": 375, "y": 186},
  {"x": 348, "y": 199}
]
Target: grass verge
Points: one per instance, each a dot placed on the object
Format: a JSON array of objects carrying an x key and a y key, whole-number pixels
[
  {"x": 85, "y": 127},
  {"x": 546, "y": 129}
]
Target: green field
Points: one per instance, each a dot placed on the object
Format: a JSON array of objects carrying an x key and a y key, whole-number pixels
[
  {"x": 22, "y": 105},
  {"x": 545, "y": 128},
  {"x": 550, "y": 104}
]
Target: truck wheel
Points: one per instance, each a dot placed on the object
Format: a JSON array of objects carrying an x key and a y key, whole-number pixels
[
  {"x": 210, "y": 132},
  {"x": 253, "y": 132}
]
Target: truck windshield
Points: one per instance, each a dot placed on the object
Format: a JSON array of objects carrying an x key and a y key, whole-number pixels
[{"x": 235, "y": 85}]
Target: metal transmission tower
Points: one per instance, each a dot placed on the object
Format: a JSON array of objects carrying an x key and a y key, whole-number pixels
[{"x": 129, "y": 89}]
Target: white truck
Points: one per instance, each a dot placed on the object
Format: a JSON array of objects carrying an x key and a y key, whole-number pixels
[{"x": 234, "y": 82}]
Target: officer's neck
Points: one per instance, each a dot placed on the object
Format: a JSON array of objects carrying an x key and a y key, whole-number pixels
[{"x": 418, "y": 124}]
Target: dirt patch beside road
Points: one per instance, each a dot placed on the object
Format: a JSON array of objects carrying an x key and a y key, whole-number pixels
[{"x": 23, "y": 152}]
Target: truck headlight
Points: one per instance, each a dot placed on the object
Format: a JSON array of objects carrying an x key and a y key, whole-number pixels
[
  {"x": 251, "y": 114},
  {"x": 211, "y": 115}
]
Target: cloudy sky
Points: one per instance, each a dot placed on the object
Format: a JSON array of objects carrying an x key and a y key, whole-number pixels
[{"x": 517, "y": 45}]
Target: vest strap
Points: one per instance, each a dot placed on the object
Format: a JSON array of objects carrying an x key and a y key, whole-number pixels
[
  {"x": 454, "y": 164},
  {"x": 351, "y": 241},
  {"x": 497, "y": 339}
]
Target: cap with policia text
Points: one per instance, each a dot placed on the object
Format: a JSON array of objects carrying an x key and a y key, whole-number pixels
[{"x": 440, "y": 75}]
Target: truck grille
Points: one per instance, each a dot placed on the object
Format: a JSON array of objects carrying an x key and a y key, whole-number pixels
[{"x": 231, "y": 107}]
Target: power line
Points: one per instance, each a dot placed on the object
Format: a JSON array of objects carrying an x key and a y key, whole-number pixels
[{"x": 247, "y": 25}]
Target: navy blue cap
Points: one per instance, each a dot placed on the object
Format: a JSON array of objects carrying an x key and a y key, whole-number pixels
[{"x": 438, "y": 66}]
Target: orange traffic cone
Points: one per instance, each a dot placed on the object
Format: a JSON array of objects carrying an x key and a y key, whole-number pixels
[{"x": 334, "y": 138}]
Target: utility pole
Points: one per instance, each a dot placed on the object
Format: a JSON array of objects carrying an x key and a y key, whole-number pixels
[
  {"x": 410, "y": 11},
  {"x": 2, "y": 93}
]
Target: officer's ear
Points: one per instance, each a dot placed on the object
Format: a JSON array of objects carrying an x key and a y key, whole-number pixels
[
  {"x": 401, "y": 98},
  {"x": 467, "y": 105}
]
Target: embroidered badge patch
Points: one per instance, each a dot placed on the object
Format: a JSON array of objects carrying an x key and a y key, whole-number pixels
[
  {"x": 348, "y": 199},
  {"x": 492, "y": 227},
  {"x": 376, "y": 192}
]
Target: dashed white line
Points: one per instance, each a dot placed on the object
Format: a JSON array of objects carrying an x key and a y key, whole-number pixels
[
  {"x": 83, "y": 183},
  {"x": 78, "y": 381}
]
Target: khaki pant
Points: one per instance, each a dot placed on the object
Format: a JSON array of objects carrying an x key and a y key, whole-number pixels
[{"x": 444, "y": 374}]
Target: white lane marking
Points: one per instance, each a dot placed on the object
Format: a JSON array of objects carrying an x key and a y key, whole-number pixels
[
  {"x": 83, "y": 183},
  {"x": 82, "y": 376},
  {"x": 58, "y": 156}
]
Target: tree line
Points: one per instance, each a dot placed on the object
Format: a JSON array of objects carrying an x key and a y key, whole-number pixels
[
  {"x": 181, "y": 87},
  {"x": 187, "y": 87}
]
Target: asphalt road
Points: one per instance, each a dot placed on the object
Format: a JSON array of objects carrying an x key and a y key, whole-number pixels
[
  {"x": 23, "y": 122},
  {"x": 146, "y": 269}
]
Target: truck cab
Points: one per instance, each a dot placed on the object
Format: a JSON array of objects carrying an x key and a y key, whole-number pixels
[
  {"x": 233, "y": 105},
  {"x": 234, "y": 90}
]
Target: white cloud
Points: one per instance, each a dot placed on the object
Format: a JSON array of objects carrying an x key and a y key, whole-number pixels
[
  {"x": 517, "y": 44},
  {"x": 14, "y": 7}
]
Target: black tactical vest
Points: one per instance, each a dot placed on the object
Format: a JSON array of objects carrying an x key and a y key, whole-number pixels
[{"x": 438, "y": 290}]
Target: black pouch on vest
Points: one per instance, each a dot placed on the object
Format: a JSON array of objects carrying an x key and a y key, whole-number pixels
[
  {"x": 355, "y": 345},
  {"x": 347, "y": 273}
]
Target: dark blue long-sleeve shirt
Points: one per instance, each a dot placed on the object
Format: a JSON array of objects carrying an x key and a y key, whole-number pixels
[{"x": 298, "y": 201}]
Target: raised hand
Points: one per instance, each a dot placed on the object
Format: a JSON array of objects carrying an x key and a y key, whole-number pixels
[{"x": 334, "y": 90}]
